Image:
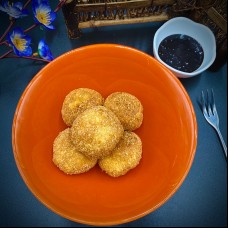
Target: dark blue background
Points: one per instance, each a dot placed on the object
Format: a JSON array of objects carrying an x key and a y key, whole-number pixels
[{"x": 200, "y": 201}]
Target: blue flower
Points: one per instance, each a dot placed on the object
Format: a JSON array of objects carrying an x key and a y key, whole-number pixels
[
  {"x": 15, "y": 10},
  {"x": 44, "y": 51},
  {"x": 20, "y": 42},
  {"x": 43, "y": 14}
]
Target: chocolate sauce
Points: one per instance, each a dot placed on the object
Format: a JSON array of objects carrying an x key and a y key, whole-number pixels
[{"x": 181, "y": 52}]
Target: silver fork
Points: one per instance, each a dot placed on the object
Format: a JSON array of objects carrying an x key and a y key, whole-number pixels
[{"x": 211, "y": 115}]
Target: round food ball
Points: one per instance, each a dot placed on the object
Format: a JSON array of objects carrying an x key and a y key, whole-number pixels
[
  {"x": 124, "y": 157},
  {"x": 77, "y": 101},
  {"x": 127, "y": 108},
  {"x": 67, "y": 158},
  {"x": 96, "y": 132}
]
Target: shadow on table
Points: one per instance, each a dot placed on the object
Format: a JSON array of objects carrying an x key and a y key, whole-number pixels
[
  {"x": 190, "y": 83},
  {"x": 137, "y": 223}
]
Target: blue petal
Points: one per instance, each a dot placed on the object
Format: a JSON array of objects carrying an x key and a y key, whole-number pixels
[
  {"x": 34, "y": 7},
  {"x": 2, "y": 8},
  {"x": 6, "y": 4},
  {"x": 50, "y": 27},
  {"x": 26, "y": 52},
  {"x": 15, "y": 12},
  {"x": 19, "y": 5},
  {"x": 16, "y": 51},
  {"x": 36, "y": 4},
  {"x": 28, "y": 39},
  {"x": 18, "y": 31},
  {"x": 52, "y": 16},
  {"x": 45, "y": 54},
  {"x": 9, "y": 39},
  {"x": 44, "y": 8},
  {"x": 41, "y": 44},
  {"x": 49, "y": 57},
  {"x": 25, "y": 12},
  {"x": 36, "y": 20}
]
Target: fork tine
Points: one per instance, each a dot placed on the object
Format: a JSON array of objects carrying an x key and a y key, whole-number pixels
[
  {"x": 213, "y": 102},
  {"x": 208, "y": 104},
  {"x": 203, "y": 104}
]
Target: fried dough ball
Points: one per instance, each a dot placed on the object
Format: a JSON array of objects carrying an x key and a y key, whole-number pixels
[
  {"x": 77, "y": 101},
  {"x": 124, "y": 157},
  {"x": 127, "y": 108},
  {"x": 67, "y": 158},
  {"x": 96, "y": 132}
]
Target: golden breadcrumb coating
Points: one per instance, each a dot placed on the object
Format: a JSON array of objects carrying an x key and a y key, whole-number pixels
[
  {"x": 124, "y": 157},
  {"x": 96, "y": 132},
  {"x": 127, "y": 108},
  {"x": 67, "y": 158},
  {"x": 77, "y": 101}
]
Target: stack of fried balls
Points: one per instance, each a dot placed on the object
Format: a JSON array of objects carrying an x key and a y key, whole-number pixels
[{"x": 99, "y": 131}]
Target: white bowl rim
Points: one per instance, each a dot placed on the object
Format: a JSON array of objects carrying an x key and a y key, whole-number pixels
[{"x": 186, "y": 74}]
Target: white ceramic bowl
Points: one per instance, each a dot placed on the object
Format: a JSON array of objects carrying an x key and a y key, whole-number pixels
[{"x": 185, "y": 26}]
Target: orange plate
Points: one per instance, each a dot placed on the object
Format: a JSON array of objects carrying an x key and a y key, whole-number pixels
[{"x": 168, "y": 133}]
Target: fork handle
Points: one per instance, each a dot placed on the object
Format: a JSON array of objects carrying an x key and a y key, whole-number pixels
[{"x": 223, "y": 142}]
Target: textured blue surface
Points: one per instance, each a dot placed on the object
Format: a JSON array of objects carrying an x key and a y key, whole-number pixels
[{"x": 202, "y": 198}]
